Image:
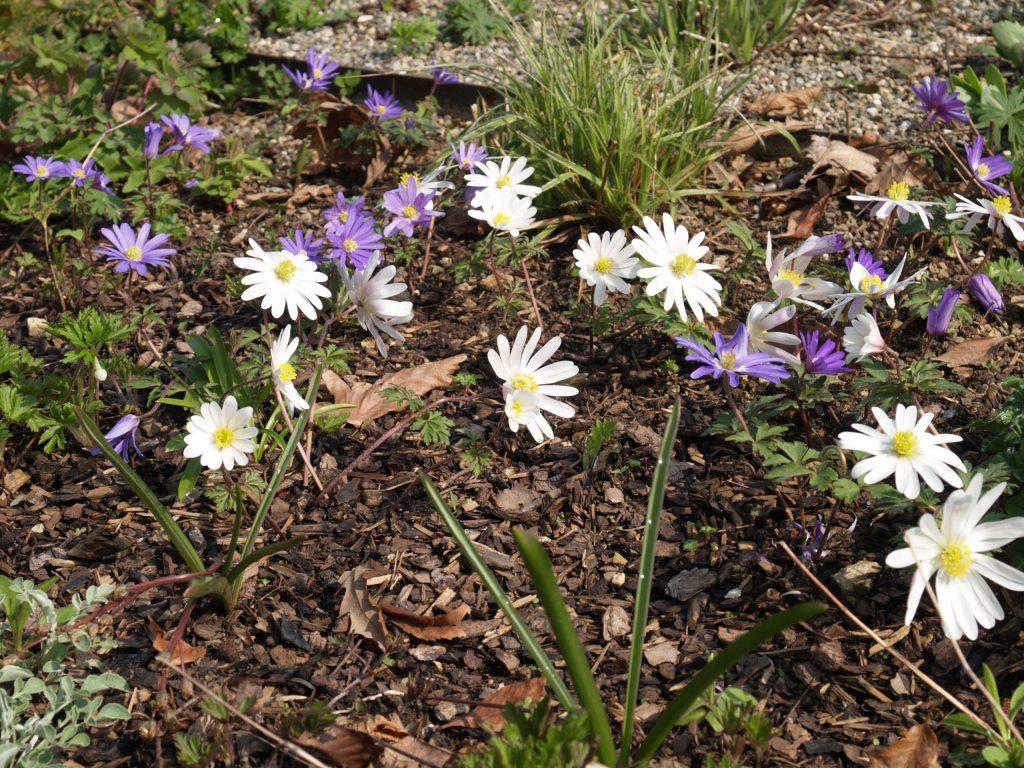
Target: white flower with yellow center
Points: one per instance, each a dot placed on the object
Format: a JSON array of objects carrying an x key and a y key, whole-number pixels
[
  {"x": 286, "y": 281},
  {"x": 606, "y": 262},
  {"x": 788, "y": 272},
  {"x": 866, "y": 287},
  {"x": 998, "y": 212},
  {"x": 284, "y": 373},
  {"x": 372, "y": 295},
  {"x": 220, "y": 435},
  {"x": 506, "y": 175},
  {"x": 524, "y": 368},
  {"x": 862, "y": 338},
  {"x": 896, "y": 198},
  {"x": 522, "y": 411},
  {"x": 906, "y": 448},
  {"x": 504, "y": 211},
  {"x": 761, "y": 319},
  {"x": 676, "y": 268},
  {"x": 955, "y": 550}
]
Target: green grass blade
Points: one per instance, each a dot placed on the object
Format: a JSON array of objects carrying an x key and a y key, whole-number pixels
[
  {"x": 539, "y": 566},
  {"x": 238, "y": 571},
  {"x": 476, "y": 562},
  {"x": 146, "y": 496},
  {"x": 718, "y": 666},
  {"x": 645, "y": 572}
]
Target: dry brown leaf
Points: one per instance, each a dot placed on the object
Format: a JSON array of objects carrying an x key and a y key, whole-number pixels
[
  {"x": 770, "y": 137},
  {"x": 973, "y": 352},
  {"x": 784, "y": 103},
  {"x": 447, "y": 626},
  {"x": 918, "y": 748},
  {"x": 802, "y": 223},
  {"x": 409, "y": 751},
  {"x": 183, "y": 652},
  {"x": 902, "y": 167},
  {"x": 838, "y": 158},
  {"x": 343, "y": 746},
  {"x": 356, "y": 614},
  {"x": 368, "y": 399},
  {"x": 490, "y": 713}
]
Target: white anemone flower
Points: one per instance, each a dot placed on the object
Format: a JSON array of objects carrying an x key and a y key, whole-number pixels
[
  {"x": 371, "y": 294},
  {"x": 606, "y": 262},
  {"x": 862, "y": 338},
  {"x": 677, "y": 270},
  {"x": 896, "y": 199},
  {"x": 788, "y": 271},
  {"x": 523, "y": 367},
  {"x": 955, "y": 551},
  {"x": 284, "y": 373},
  {"x": 504, "y": 211},
  {"x": 906, "y": 448},
  {"x": 867, "y": 287},
  {"x": 286, "y": 281},
  {"x": 508, "y": 174},
  {"x": 220, "y": 435},
  {"x": 522, "y": 410},
  {"x": 762, "y": 317},
  {"x": 998, "y": 212}
]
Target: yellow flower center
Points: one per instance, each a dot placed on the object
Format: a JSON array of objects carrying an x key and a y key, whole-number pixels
[
  {"x": 343, "y": 216},
  {"x": 956, "y": 559},
  {"x": 517, "y": 408},
  {"x": 79, "y": 173},
  {"x": 501, "y": 219},
  {"x": 728, "y": 360},
  {"x": 983, "y": 171},
  {"x": 796, "y": 278},
  {"x": 134, "y": 253},
  {"x": 381, "y": 109},
  {"x": 318, "y": 73},
  {"x": 42, "y": 171},
  {"x": 287, "y": 373},
  {"x": 870, "y": 284},
  {"x": 898, "y": 191},
  {"x": 350, "y": 245},
  {"x": 1002, "y": 205},
  {"x": 223, "y": 437},
  {"x": 406, "y": 176},
  {"x": 410, "y": 212},
  {"x": 603, "y": 265},
  {"x": 904, "y": 444},
  {"x": 523, "y": 381},
  {"x": 683, "y": 265},
  {"x": 285, "y": 271},
  {"x": 503, "y": 181}
]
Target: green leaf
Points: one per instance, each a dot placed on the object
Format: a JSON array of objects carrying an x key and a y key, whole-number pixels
[
  {"x": 113, "y": 711},
  {"x": 963, "y": 722},
  {"x": 189, "y": 477}
]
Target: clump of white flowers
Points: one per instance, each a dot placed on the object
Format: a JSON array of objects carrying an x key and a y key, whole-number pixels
[
  {"x": 606, "y": 262},
  {"x": 500, "y": 197}
]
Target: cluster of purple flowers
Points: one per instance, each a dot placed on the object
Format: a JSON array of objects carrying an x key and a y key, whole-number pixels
[
  {"x": 352, "y": 232},
  {"x": 411, "y": 206},
  {"x": 87, "y": 174},
  {"x": 183, "y": 134},
  {"x": 319, "y": 74}
]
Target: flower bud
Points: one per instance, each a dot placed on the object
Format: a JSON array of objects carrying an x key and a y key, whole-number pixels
[
  {"x": 98, "y": 371},
  {"x": 986, "y": 294},
  {"x": 940, "y": 315}
]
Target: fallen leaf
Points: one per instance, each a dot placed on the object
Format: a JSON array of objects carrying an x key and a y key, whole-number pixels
[
  {"x": 519, "y": 504},
  {"x": 973, "y": 352},
  {"x": 615, "y": 622},
  {"x": 784, "y": 103},
  {"x": 902, "y": 166},
  {"x": 688, "y": 583},
  {"x": 662, "y": 653},
  {"x": 490, "y": 713},
  {"x": 14, "y": 479},
  {"x": 802, "y": 223},
  {"x": 343, "y": 746},
  {"x": 918, "y": 748},
  {"x": 368, "y": 400},
  {"x": 447, "y": 626},
  {"x": 356, "y": 614},
  {"x": 838, "y": 157},
  {"x": 183, "y": 652},
  {"x": 409, "y": 752},
  {"x": 769, "y": 139}
]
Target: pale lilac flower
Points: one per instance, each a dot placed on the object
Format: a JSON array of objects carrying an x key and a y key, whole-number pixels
[
  {"x": 940, "y": 315},
  {"x": 938, "y": 101},
  {"x": 987, "y": 168},
  {"x": 81, "y": 174},
  {"x": 411, "y": 209},
  {"x": 122, "y": 437},
  {"x": 303, "y": 244},
  {"x": 468, "y": 155},
  {"x": 344, "y": 209},
  {"x": 154, "y": 133},
  {"x": 184, "y": 134},
  {"x": 442, "y": 76},
  {"x": 984, "y": 291},
  {"x": 822, "y": 357},
  {"x": 319, "y": 74},
  {"x": 355, "y": 241},
  {"x": 136, "y": 251},
  {"x": 733, "y": 359},
  {"x": 39, "y": 168},
  {"x": 381, "y": 105}
]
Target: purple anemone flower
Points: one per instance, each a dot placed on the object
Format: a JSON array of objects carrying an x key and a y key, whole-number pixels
[
  {"x": 468, "y": 155},
  {"x": 355, "y": 241},
  {"x": 319, "y": 75},
  {"x": 39, "y": 168},
  {"x": 938, "y": 102},
  {"x": 411, "y": 208},
  {"x": 136, "y": 251},
  {"x": 940, "y": 316},
  {"x": 984, "y": 291},
  {"x": 822, "y": 356},
  {"x": 101, "y": 182},
  {"x": 732, "y": 359},
  {"x": 345, "y": 209},
  {"x": 867, "y": 259},
  {"x": 81, "y": 173},
  {"x": 303, "y": 244},
  {"x": 382, "y": 105},
  {"x": 442, "y": 76},
  {"x": 184, "y": 134},
  {"x": 122, "y": 436},
  {"x": 154, "y": 133},
  {"x": 986, "y": 168}
]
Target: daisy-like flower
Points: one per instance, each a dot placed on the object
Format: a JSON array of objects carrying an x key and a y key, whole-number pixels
[
  {"x": 381, "y": 105},
  {"x": 606, "y": 262},
  {"x": 467, "y": 156},
  {"x": 38, "y": 168},
  {"x": 956, "y": 551},
  {"x": 354, "y": 242},
  {"x": 372, "y": 295},
  {"x": 821, "y": 356},
  {"x": 904, "y": 447},
  {"x": 122, "y": 437},
  {"x": 443, "y": 77},
  {"x": 896, "y": 198},
  {"x": 319, "y": 74},
  {"x": 676, "y": 268},
  {"x": 154, "y": 133},
  {"x": 284, "y": 373},
  {"x": 522, "y": 411},
  {"x": 939, "y": 102},
  {"x": 940, "y": 316},
  {"x": 136, "y": 251},
  {"x": 862, "y": 338},
  {"x": 345, "y": 209},
  {"x": 987, "y": 168},
  {"x": 732, "y": 359},
  {"x": 788, "y": 271},
  {"x": 80, "y": 174},
  {"x": 506, "y": 174},
  {"x": 303, "y": 244},
  {"x": 761, "y": 319},
  {"x": 867, "y": 259},
  {"x": 411, "y": 207},
  {"x": 998, "y": 212},
  {"x": 504, "y": 211},
  {"x": 220, "y": 435},
  {"x": 184, "y": 134},
  {"x": 524, "y": 368},
  {"x": 866, "y": 287},
  {"x": 286, "y": 281}
]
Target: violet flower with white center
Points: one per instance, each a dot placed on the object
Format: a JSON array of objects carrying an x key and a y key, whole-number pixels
[
  {"x": 354, "y": 242},
  {"x": 866, "y": 287},
  {"x": 937, "y": 100},
  {"x": 319, "y": 74},
  {"x": 185, "y": 134},
  {"x": 373, "y": 297},
  {"x": 732, "y": 359},
  {"x": 788, "y": 271},
  {"x": 761, "y": 319},
  {"x": 443, "y": 77},
  {"x": 411, "y": 209},
  {"x": 895, "y": 200},
  {"x": 998, "y": 210},
  {"x": 940, "y": 316},
  {"x": 984, "y": 291},
  {"x": 122, "y": 437},
  {"x": 987, "y": 168},
  {"x": 866, "y": 259},
  {"x": 862, "y": 338},
  {"x": 381, "y": 105},
  {"x": 467, "y": 156},
  {"x": 303, "y": 244},
  {"x": 821, "y": 356},
  {"x": 135, "y": 251},
  {"x": 38, "y": 168},
  {"x": 154, "y": 133}
]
